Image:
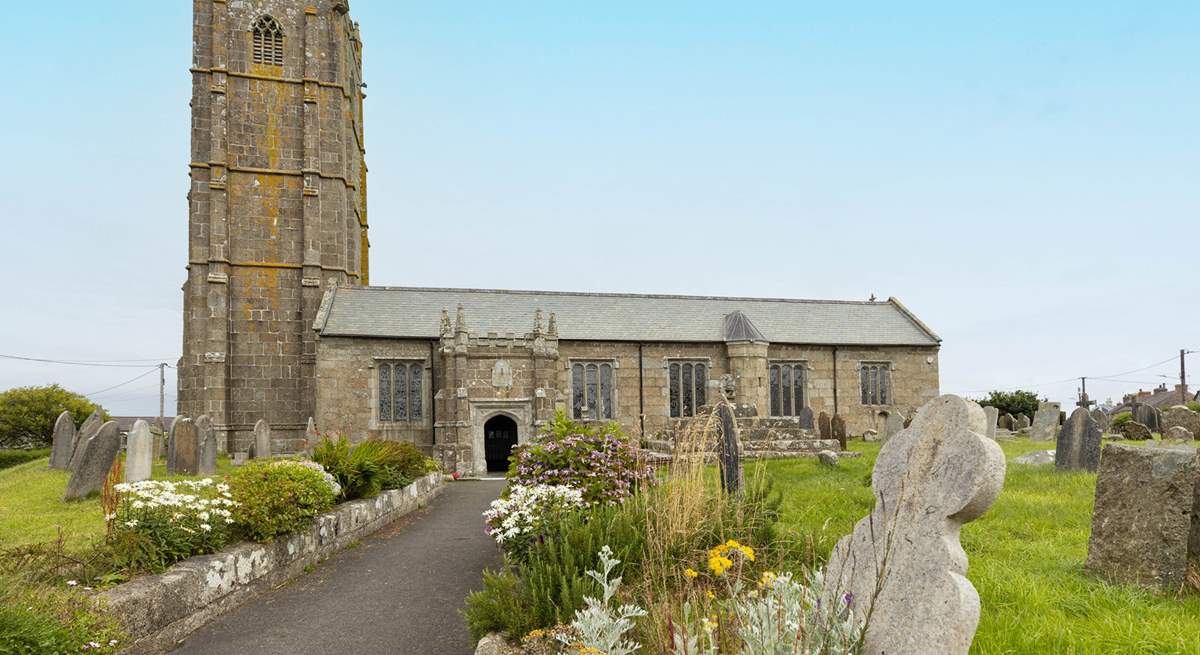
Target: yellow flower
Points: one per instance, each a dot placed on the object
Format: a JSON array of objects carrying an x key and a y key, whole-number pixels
[
  {"x": 711, "y": 596},
  {"x": 690, "y": 572},
  {"x": 719, "y": 564},
  {"x": 767, "y": 580},
  {"x": 535, "y": 634}
]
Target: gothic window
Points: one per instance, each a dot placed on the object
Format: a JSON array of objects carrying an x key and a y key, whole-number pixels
[
  {"x": 268, "y": 41},
  {"x": 592, "y": 390},
  {"x": 400, "y": 391},
  {"x": 688, "y": 381},
  {"x": 876, "y": 381},
  {"x": 788, "y": 397}
]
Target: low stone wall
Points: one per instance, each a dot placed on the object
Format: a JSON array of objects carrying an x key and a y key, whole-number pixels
[{"x": 159, "y": 610}]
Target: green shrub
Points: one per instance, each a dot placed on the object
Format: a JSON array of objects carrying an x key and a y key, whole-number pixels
[
  {"x": 410, "y": 462},
  {"x": 27, "y": 414},
  {"x": 11, "y": 458},
  {"x": 1194, "y": 406},
  {"x": 278, "y": 497},
  {"x": 158, "y": 523},
  {"x": 366, "y": 468},
  {"x": 52, "y": 621},
  {"x": 1121, "y": 419},
  {"x": 393, "y": 478},
  {"x": 1012, "y": 402}
]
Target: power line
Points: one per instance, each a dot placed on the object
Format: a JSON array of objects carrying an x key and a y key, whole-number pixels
[
  {"x": 129, "y": 381},
  {"x": 103, "y": 364}
]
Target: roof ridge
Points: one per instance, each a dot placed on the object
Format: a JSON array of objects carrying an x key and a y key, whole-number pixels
[{"x": 598, "y": 294}]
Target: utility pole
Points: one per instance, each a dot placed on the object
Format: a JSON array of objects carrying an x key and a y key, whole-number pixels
[
  {"x": 1182, "y": 377},
  {"x": 162, "y": 395}
]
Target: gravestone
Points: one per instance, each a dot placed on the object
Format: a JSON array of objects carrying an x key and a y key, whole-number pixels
[
  {"x": 1007, "y": 422},
  {"x": 828, "y": 458},
  {"x": 1135, "y": 431},
  {"x": 729, "y": 450},
  {"x": 893, "y": 424},
  {"x": 91, "y": 425},
  {"x": 95, "y": 462},
  {"x": 1045, "y": 422},
  {"x": 1146, "y": 499},
  {"x": 870, "y": 435},
  {"x": 239, "y": 459},
  {"x": 806, "y": 419},
  {"x": 1148, "y": 416},
  {"x": 63, "y": 443},
  {"x": 929, "y": 479},
  {"x": 1180, "y": 416},
  {"x": 171, "y": 445},
  {"x": 1179, "y": 433},
  {"x": 311, "y": 436},
  {"x": 837, "y": 427},
  {"x": 1022, "y": 423},
  {"x": 139, "y": 452},
  {"x": 207, "y": 437},
  {"x": 992, "y": 416},
  {"x": 262, "y": 439},
  {"x": 824, "y": 426},
  {"x": 1078, "y": 444},
  {"x": 185, "y": 447},
  {"x": 1101, "y": 419}
]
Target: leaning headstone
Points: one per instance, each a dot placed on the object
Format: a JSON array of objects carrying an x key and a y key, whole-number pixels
[
  {"x": 1078, "y": 444},
  {"x": 139, "y": 452},
  {"x": 729, "y": 452},
  {"x": 1045, "y": 422},
  {"x": 262, "y": 439},
  {"x": 1021, "y": 423},
  {"x": 207, "y": 436},
  {"x": 893, "y": 425},
  {"x": 992, "y": 415},
  {"x": 1101, "y": 419},
  {"x": 63, "y": 443},
  {"x": 1179, "y": 433},
  {"x": 930, "y": 479},
  {"x": 1148, "y": 416},
  {"x": 1007, "y": 422},
  {"x": 806, "y": 419},
  {"x": 98, "y": 454},
  {"x": 828, "y": 458},
  {"x": 824, "y": 426},
  {"x": 185, "y": 444},
  {"x": 1180, "y": 416},
  {"x": 1146, "y": 499},
  {"x": 1135, "y": 431},
  {"x": 837, "y": 427},
  {"x": 91, "y": 426}
]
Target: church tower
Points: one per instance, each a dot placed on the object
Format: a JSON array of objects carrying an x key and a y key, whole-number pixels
[{"x": 277, "y": 209}]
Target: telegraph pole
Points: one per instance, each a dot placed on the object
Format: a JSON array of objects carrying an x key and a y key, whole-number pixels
[
  {"x": 1182, "y": 377},
  {"x": 162, "y": 395}
]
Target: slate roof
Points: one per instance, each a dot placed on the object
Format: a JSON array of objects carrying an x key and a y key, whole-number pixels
[{"x": 399, "y": 312}]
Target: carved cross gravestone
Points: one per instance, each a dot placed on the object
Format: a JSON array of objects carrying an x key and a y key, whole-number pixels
[
  {"x": 63, "y": 443},
  {"x": 139, "y": 452},
  {"x": 930, "y": 479},
  {"x": 1078, "y": 444},
  {"x": 95, "y": 462},
  {"x": 729, "y": 450},
  {"x": 262, "y": 439}
]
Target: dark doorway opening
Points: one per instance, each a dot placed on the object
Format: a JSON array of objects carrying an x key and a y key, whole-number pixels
[{"x": 499, "y": 437}]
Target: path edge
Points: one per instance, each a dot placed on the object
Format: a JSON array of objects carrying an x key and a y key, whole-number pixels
[{"x": 159, "y": 611}]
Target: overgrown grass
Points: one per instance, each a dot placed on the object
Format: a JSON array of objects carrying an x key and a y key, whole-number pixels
[
  {"x": 32, "y": 509},
  {"x": 1026, "y": 559}
]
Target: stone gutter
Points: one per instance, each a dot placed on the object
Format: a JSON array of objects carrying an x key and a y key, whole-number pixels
[{"x": 158, "y": 611}]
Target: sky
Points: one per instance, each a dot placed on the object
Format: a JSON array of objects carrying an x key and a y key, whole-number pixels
[{"x": 1022, "y": 176}]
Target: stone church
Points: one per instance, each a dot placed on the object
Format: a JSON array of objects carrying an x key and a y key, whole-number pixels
[{"x": 280, "y": 322}]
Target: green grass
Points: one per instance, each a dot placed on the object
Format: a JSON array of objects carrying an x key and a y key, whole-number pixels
[
  {"x": 32, "y": 509},
  {"x": 1026, "y": 559}
]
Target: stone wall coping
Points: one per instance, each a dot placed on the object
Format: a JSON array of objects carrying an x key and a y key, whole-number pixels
[{"x": 160, "y": 610}]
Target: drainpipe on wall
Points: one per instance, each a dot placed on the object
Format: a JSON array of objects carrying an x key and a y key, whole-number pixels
[
  {"x": 432, "y": 397},
  {"x": 641, "y": 393},
  {"x": 835, "y": 381}
]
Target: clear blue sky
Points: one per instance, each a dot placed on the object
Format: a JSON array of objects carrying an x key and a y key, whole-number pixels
[{"x": 1023, "y": 176}]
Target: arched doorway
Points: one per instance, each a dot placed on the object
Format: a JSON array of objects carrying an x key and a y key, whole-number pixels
[{"x": 499, "y": 437}]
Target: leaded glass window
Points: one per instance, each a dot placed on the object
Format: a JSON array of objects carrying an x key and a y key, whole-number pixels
[
  {"x": 400, "y": 389},
  {"x": 788, "y": 395},
  {"x": 687, "y": 387},
  {"x": 876, "y": 381},
  {"x": 592, "y": 391},
  {"x": 268, "y": 41}
]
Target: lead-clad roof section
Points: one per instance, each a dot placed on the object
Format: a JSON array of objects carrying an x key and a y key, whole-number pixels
[
  {"x": 399, "y": 312},
  {"x": 738, "y": 327}
]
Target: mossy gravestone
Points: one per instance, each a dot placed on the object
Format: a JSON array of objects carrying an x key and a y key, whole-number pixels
[
  {"x": 1078, "y": 445},
  {"x": 95, "y": 461},
  {"x": 63, "y": 443},
  {"x": 824, "y": 426},
  {"x": 929, "y": 479},
  {"x": 837, "y": 426},
  {"x": 185, "y": 447},
  {"x": 729, "y": 452}
]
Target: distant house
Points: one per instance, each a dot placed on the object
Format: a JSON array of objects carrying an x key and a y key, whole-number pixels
[
  {"x": 1161, "y": 398},
  {"x": 125, "y": 423}
]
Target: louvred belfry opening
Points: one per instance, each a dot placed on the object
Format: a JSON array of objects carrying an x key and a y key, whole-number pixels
[{"x": 268, "y": 41}]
